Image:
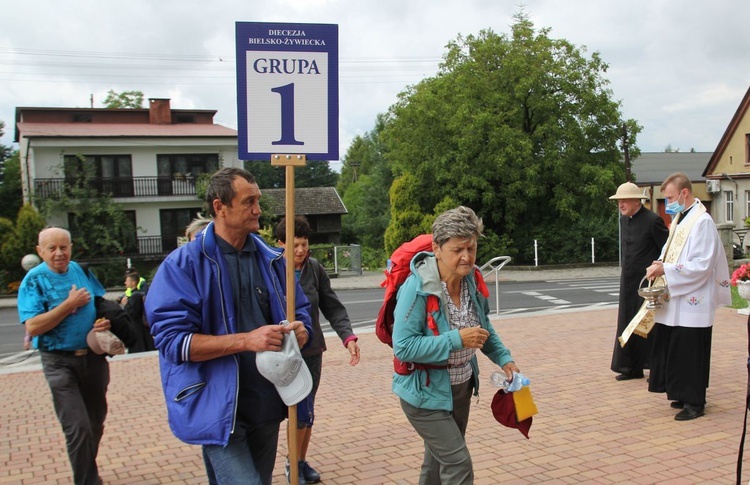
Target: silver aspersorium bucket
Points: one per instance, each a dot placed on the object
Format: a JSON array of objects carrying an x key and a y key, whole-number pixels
[{"x": 652, "y": 294}]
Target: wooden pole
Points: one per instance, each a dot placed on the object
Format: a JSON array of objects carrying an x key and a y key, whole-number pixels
[{"x": 290, "y": 161}]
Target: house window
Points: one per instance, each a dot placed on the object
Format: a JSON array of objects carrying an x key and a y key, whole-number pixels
[
  {"x": 185, "y": 118},
  {"x": 173, "y": 224},
  {"x": 82, "y": 118},
  {"x": 111, "y": 174},
  {"x": 747, "y": 149},
  {"x": 729, "y": 197},
  {"x": 102, "y": 166},
  {"x": 193, "y": 164},
  {"x": 747, "y": 203}
]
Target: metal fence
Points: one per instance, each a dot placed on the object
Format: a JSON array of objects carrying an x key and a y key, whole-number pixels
[{"x": 340, "y": 260}]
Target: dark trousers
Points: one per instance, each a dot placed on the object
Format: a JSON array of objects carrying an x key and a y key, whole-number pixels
[
  {"x": 248, "y": 458},
  {"x": 634, "y": 357},
  {"x": 306, "y": 407},
  {"x": 680, "y": 363},
  {"x": 79, "y": 393},
  {"x": 446, "y": 457}
]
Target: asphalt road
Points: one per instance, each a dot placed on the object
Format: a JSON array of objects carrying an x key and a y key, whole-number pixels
[
  {"x": 11, "y": 332},
  {"x": 363, "y": 304},
  {"x": 514, "y": 297}
]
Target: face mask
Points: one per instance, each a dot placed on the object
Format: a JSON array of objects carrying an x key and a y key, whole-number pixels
[{"x": 675, "y": 207}]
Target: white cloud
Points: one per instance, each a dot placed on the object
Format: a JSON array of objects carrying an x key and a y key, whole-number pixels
[{"x": 678, "y": 66}]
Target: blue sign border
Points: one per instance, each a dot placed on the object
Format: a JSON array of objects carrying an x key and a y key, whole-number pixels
[{"x": 260, "y": 31}]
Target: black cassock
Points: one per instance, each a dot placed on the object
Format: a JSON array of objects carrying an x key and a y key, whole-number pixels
[{"x": 642, "y": 239}]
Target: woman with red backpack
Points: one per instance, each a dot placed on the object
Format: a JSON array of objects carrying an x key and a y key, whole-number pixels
[{"x": 436, "y": 398}]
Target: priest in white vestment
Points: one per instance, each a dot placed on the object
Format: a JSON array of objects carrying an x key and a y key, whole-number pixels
[{"x": 694, "y": 266}]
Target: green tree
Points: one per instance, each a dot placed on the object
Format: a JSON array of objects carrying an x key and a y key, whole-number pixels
[
  {"x": 363, "y": 185},
  {"x": 124, "y": 100},
  {"x": 5, "y": 151},
  {"x": 313, "y": 174},
  {"x": 11, "y": 193},
  {"x": 97, "y": 223},
  {"x": 368, "y": 210},
  {"x": 267, "y": 176},
  {"x": 6, "y": 231},
  {"x": 407, "y": 218},
  {"x": 521, "y": 128},
  {"x": 366, "y": 155},
  {"x": 21, "y": 240}
]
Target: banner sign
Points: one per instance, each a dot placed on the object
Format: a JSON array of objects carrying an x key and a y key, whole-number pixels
[{"x": 287, "y": 90}]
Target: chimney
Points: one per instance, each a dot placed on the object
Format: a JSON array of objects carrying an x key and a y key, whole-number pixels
[{"x": 159, "y": 112}]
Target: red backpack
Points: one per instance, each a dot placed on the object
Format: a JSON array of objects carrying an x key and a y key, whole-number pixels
[{"x": 395, "y": 275}]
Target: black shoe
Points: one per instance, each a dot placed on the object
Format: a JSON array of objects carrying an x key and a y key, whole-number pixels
[
  {"x": 309, "y": 473},
  {"x": 288, "y": 474},
  {"x": 677, "y": 404},
  {"x": 690, "y": 412},
  {"x": 627, "y": 377}
]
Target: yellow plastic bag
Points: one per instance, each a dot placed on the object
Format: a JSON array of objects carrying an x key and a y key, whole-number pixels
[{"x": 525, "y": 407}]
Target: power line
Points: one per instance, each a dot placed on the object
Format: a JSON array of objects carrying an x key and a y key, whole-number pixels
[
  {"x": 39, "y": 65},
  {"x": 225, "y": 58}
]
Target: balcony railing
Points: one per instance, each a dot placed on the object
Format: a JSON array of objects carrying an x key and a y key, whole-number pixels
[
  {"x": 152, "y": 246},
  {"x": 121, "y": 187}
]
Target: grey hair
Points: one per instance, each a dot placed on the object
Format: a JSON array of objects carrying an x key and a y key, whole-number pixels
[
  {"x": 197, "y": 225},
  {"x": 51, "y": 228},
  {"x": 460, "y": 223},
  {"x": 220, "y": 186}
]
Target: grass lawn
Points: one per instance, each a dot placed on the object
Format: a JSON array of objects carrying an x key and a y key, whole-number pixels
[{"x": 737, "y": 301}]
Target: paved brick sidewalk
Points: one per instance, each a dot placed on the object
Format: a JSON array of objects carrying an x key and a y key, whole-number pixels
[{"x": 590, "y": 429}]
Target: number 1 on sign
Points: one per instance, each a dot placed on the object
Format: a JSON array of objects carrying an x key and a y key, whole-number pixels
[{"x": 287, "y": 115}]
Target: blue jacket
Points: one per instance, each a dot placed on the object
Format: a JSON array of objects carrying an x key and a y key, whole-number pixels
[
  {"x": 413, "y": 341},
  {"x": 191, "y": 294}
]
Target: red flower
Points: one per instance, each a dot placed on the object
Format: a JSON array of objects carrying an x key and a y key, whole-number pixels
[{"x": 741, "y": 274}]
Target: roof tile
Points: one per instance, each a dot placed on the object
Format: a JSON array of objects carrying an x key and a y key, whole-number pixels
[{"x": 308, "y": 201}]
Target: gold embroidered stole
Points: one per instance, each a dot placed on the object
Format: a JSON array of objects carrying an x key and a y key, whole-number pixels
[{"x": 680, "y": 236}]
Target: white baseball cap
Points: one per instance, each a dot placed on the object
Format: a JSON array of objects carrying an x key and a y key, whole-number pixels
[{"x": 286, "y": 370}]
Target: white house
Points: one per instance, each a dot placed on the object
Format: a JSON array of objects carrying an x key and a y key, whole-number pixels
[{"x": 148, "y": 159}]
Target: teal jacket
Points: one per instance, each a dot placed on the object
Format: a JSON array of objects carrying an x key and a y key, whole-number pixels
[{"x": 413, "y": 341}]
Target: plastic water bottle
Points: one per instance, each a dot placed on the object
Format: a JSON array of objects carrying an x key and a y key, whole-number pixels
[{"x": 499, "y": 379}]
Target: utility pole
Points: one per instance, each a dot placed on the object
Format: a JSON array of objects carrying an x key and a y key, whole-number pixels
[
  {"x": 354, "y": 166},
  {"x": 628, "y": 176}
]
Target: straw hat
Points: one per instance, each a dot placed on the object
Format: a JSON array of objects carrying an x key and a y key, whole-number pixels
[{"x": 628, "y": 190}]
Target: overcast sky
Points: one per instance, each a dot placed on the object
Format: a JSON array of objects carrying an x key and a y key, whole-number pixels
[{"x": 679, "y": 67}]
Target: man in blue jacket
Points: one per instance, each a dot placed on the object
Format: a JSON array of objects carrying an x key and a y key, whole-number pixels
[{"x": 212, "y": 305}]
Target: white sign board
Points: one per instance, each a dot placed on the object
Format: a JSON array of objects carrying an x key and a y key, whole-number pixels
[{"x": 287, "y": 90}]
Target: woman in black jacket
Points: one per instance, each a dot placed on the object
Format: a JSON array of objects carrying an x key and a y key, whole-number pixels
[{"x": 315, "y": 283}]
